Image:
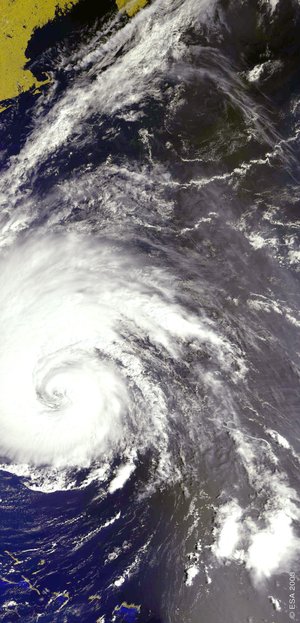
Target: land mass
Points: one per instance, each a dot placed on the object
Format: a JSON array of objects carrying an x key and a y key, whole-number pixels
[{"x": 18, "y": 21}]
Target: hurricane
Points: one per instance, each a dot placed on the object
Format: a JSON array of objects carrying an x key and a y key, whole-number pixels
[
  {"x": 85, "y": 330},
  {"x": 149, "y": 318}
]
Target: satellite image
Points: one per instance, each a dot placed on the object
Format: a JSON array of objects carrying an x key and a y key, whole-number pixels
[{"x": 149, "y": 311}]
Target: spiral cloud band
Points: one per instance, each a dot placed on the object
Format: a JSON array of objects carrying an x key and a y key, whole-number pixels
[{"x": 80, "y": 323}]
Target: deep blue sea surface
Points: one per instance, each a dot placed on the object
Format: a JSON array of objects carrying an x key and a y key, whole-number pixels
[{"x": 149, "y": 318}]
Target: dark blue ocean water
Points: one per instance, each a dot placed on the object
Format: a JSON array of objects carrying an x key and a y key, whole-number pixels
[{"x": 149, "y": 247}]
